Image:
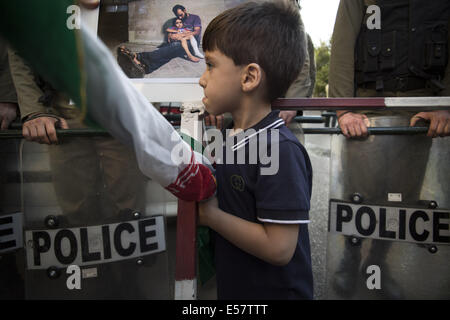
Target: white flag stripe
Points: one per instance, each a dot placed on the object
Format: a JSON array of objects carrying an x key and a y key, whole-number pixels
[{"x": 120, "y": 108}]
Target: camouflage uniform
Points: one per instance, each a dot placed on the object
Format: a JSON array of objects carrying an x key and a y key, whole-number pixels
[{"x": 7, "y": 90}]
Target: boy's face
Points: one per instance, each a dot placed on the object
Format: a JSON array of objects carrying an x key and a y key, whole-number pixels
[{"x": 221, "y": 83}]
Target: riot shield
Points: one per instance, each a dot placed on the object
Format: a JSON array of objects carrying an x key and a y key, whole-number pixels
[
  {"x": 93, "y": 226},
  {"x": 11, "y": 222},
  {"x": 388, "y": 231}
]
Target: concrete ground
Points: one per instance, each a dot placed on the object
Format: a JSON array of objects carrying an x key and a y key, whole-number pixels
[{"x": 318, "y": 147}]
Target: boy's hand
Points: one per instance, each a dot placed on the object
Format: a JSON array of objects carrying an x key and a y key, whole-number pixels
[
  {"x": 205, "y": 209},
  {"x": 439, "y": 122}
]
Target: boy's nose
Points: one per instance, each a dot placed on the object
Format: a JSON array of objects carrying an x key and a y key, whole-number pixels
[{"x": 202, "y": 81}]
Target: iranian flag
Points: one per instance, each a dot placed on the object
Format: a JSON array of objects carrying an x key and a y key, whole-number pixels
[{"x": 74, "y": 61}]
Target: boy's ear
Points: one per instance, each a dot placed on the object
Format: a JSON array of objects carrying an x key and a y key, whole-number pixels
[{"x": 251, "y": 77}]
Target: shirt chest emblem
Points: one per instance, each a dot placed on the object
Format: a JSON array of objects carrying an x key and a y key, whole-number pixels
[{"x": 237, "y": 182}]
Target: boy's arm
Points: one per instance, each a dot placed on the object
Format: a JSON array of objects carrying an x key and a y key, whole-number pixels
[{"x": 273, "y": 243}]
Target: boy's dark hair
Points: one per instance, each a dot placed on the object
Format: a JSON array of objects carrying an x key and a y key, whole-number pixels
[
  {"x": 176, "y": 7},
  {"x": 268, "y": 34}
]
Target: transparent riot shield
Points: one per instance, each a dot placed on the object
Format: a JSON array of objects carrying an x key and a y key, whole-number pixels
[
  {"x": 388, "y": 232},
  {"x": 12, "y": 285},
  {"x": 93, "y": 226}
]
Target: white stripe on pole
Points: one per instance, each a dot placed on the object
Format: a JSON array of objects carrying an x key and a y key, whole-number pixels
[
  {"x": 418, "y": 102},
  {"x": 186, "y": 289}
]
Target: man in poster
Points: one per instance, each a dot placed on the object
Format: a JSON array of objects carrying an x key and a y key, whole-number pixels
[{"x": 190, "y": 21}]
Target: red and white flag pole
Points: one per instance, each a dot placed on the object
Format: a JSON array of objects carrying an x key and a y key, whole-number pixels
[
  {"x": 395, "y": 103},
  {"x": 186, "y": 239}
]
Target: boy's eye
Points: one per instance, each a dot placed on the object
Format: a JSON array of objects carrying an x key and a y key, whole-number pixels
[{"x": 208, "y": 65}]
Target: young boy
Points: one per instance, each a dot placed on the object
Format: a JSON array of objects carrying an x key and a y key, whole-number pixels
[{"x": 253, "y": 53}]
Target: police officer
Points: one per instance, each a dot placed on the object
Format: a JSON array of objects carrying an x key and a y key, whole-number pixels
[
  {"x": 11, "y": 280},
  {"x": 303, "y": 86},
  {"x": 96, "y": 179},
  {"x": 406, "y": 57},
  {"x": 8, "y": 98}
]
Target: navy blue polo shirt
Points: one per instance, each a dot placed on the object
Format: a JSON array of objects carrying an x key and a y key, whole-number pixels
[{"x": 282, "y": 198}]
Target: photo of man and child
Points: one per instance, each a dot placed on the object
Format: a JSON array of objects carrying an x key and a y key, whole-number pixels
[{"x": 164, "y": 37}]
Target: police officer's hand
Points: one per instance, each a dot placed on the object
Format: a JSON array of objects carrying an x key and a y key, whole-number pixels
[
  {"x": 43, "y": 129},
  {"x": 8, "y": 112},
  {"x": 353, "y": 125},
  {"x": 211, "y": 120},
  {"x": 287, "y": 116},
  {"x": 439, "y": 122}
]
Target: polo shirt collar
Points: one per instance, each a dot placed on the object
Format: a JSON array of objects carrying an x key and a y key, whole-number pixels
[
  {"x": 271, "y": 121},
  {"x": 267, "y": 121}
]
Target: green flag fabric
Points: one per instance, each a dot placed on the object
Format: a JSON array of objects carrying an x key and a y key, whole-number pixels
[{"x": 38, "y": 31}]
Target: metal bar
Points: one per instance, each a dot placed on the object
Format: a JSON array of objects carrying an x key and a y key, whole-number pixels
[
  {"x": 409, "y": 103},
  {"x": 17, "y": 134},
  {"x": 309, "y": 119},
  {"x": 300, "y": 119},
  {"x": 329, "y": 103},
  {"x": 372, "y": 131}
]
